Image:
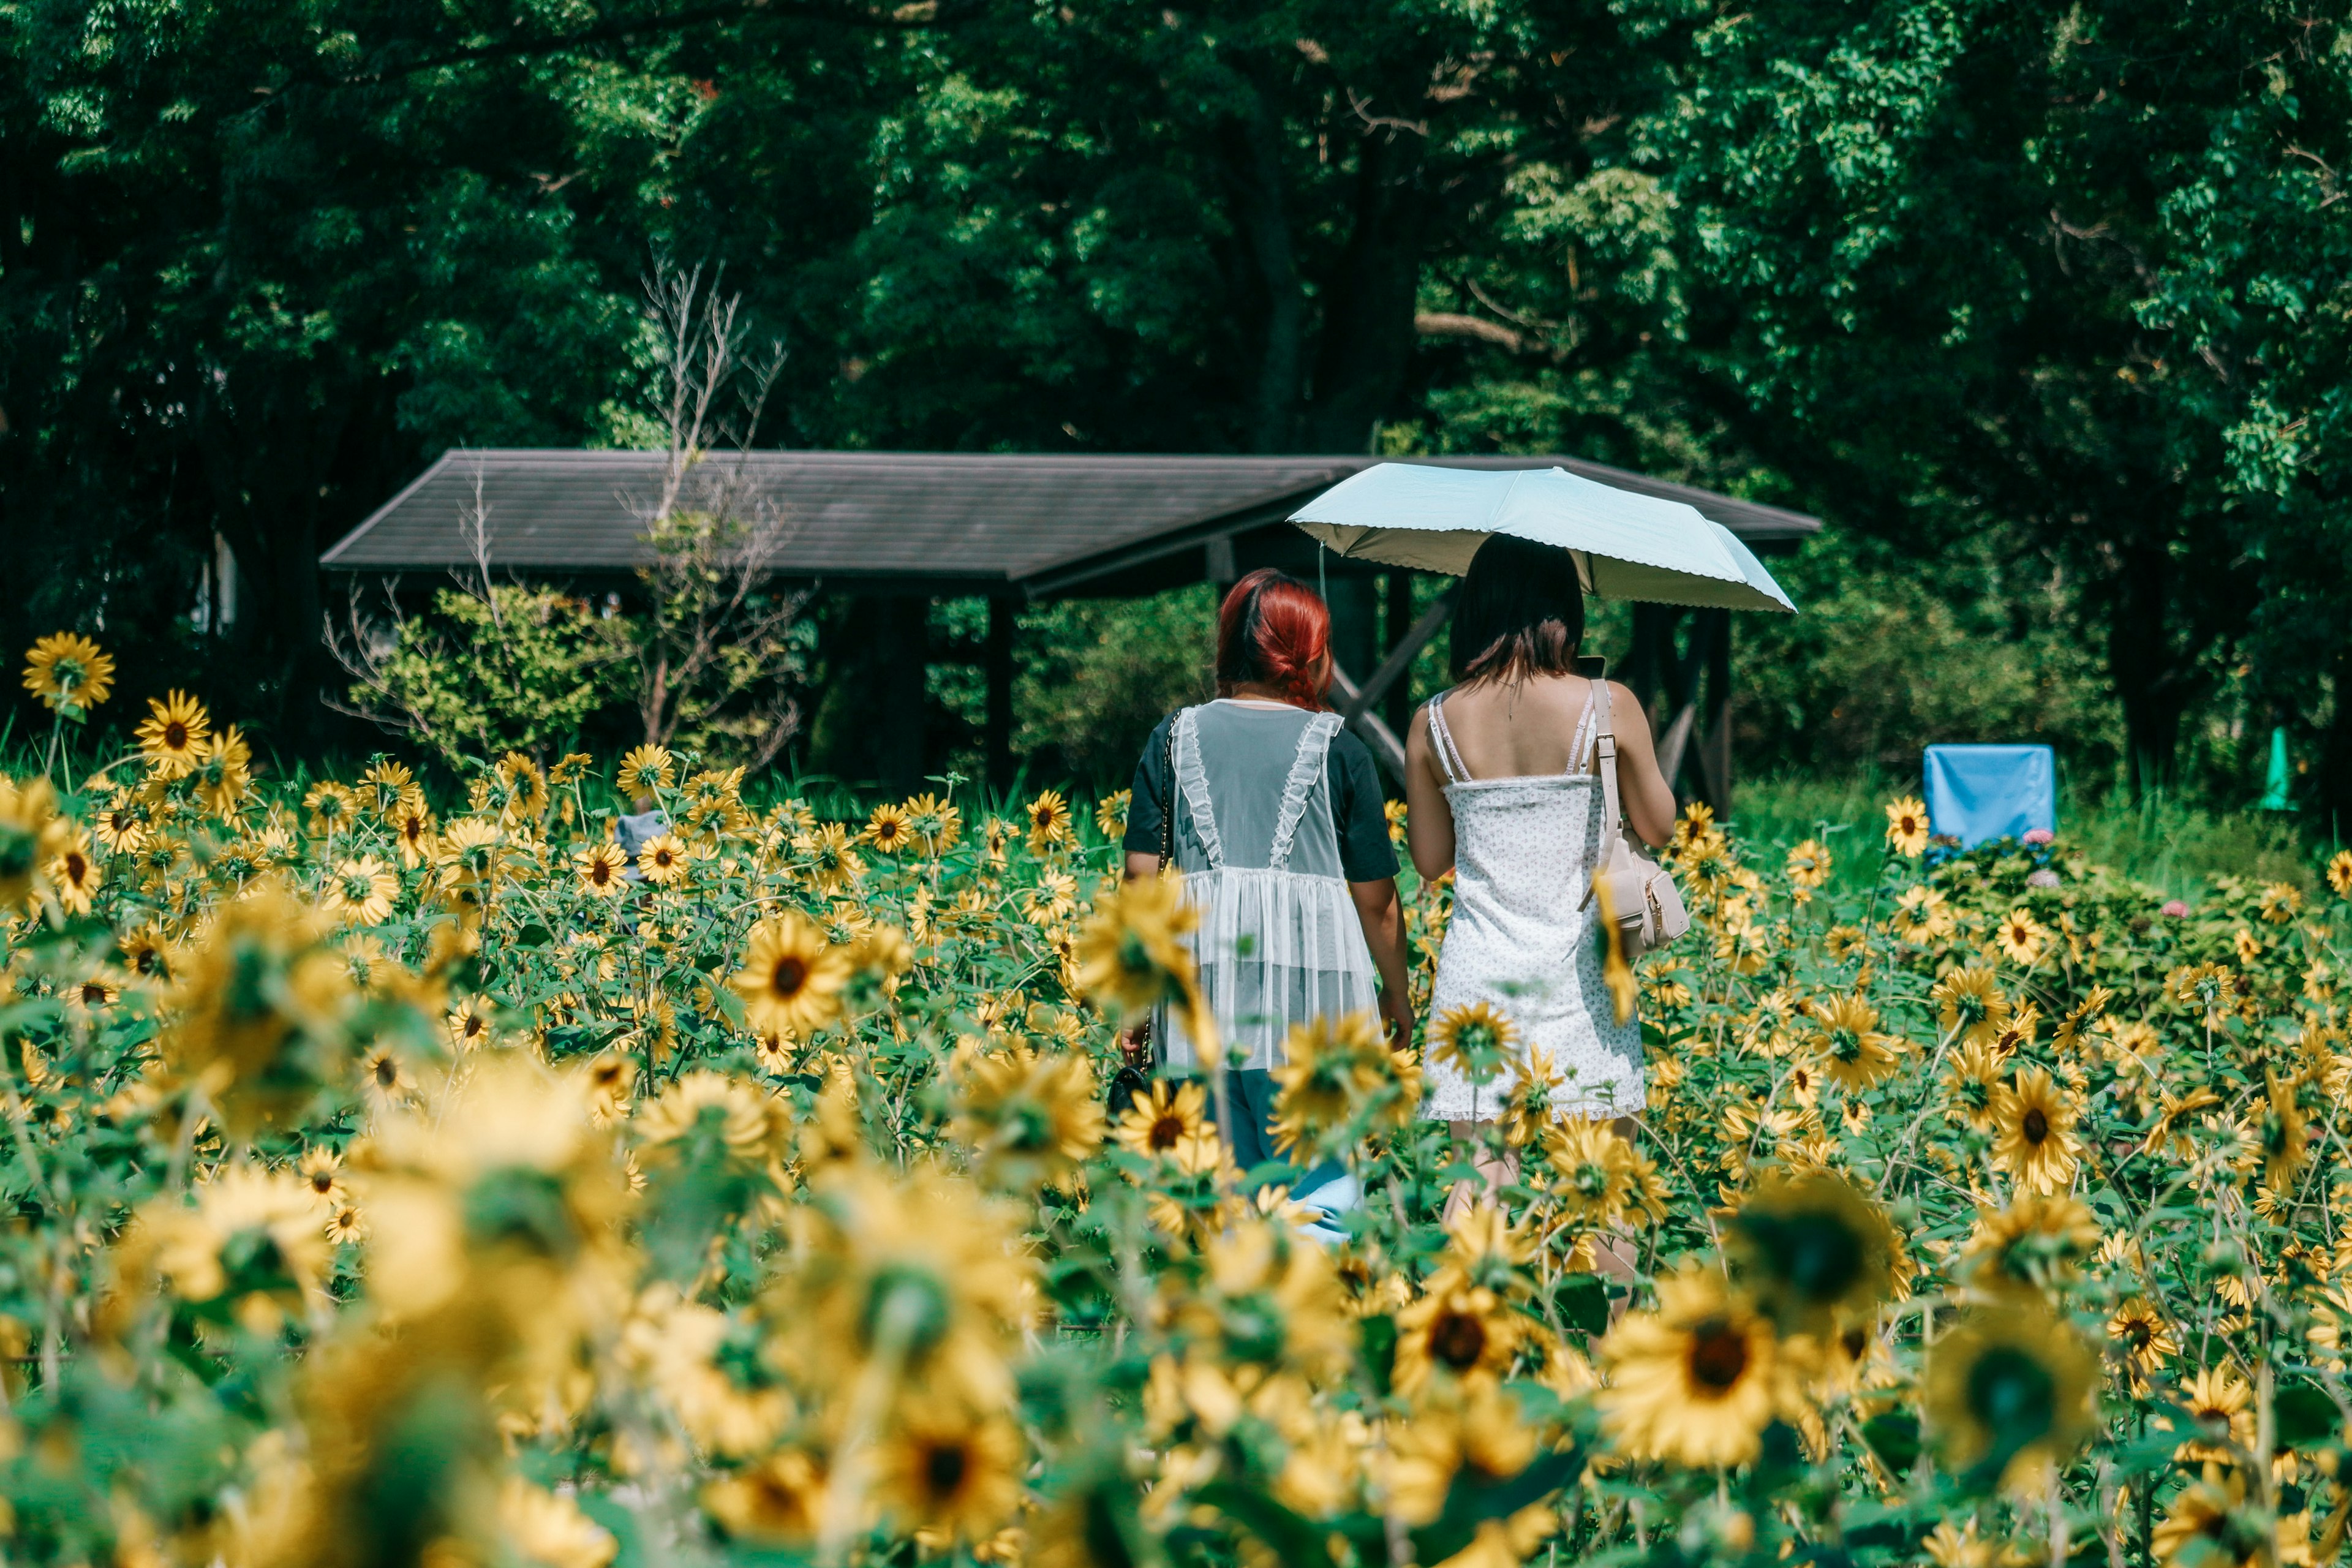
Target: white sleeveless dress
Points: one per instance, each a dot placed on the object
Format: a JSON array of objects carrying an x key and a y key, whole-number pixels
[
  {"x": 1258, "y": 841},
  {"x": 1522, "y": 938}
]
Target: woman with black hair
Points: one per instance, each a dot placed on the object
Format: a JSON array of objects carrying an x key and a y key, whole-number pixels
[{"x": 1501, "y": 782}]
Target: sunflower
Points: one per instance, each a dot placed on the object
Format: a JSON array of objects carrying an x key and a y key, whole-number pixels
[
  {"x": 1922, "y": 916},
  {"x": 69, "y": 673},
  {"x": 1131, "y": 953},
  {"x": 662, "y": 859},
  {"x": 2285, "y": 1141},
  {"x": 1972, "y": 1085},
  {"x": 1848, "y": 1044},
  {"x": 2211, "y": 1525},
  {"x": 1814, "y": 1253},
  {"x": 344, "y": 1226},
  {"x": 2021, "y": 937},
  {"x": 2145, "y": 1337},
  {"x": 149, "y": 954},
  {"x": 604, "y": 870},
  {"x": 1808, "y": 866},
  {"x": 2034, "y": 1245},
  {"x": 94, "y": 992},
  {"x": 2033, "y": 1132},
  {"x": 937, "y": 827},
  {"x": 520, "y": 789},
  {"x": 121, "y": 825},
  {"x": 2339, "y": 873},
  {"x": 386, "y": 1078},
  {"x": 1340, "y": 1072},
  {"x": 74, "y": 875},
  {"x": 791, "y": 977},
  {"x": 31, "y": 836},
  {"x": 954, "y": 1477},
  {"x": 172, "y": 736},
  {"x": 363, "y": 889},
  {"x": 888, "y": 829},
  {"x": 385, "y": 787},
  {"x": 780, "y": 1501},
  {"x": 2008, "y": 1392},
  {"x": 2221, "y": 1409},
  {"x": 1971, "y": 1003},
  {"x": 1462, "y": 1330},
  {"x": 331, "y": 806},
  {"x": 1696, "y": 1381},
  {"x": 321, "y": 1169},
  {"x": 224, "y": 772},
  {"x": 412, "y": 830},
  {"x": 1526, "y": 1113},
  {"x": 1110, "y": 814},
  {"x": 1156, "y": 1122},
  {"x": 1048, "y": 816},
  {"x": 1031, "y": 1118},
  {"x": 1474, "y": 1039},
  {"x": 646, "y": 770},
  {"x": 834, "y": 867},
  {"x": 1906, "y": 826},
  {"x": 1596, "y": 1170}
]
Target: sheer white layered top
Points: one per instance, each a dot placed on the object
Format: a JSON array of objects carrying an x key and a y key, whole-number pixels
[{"x": 1258, "y": 841}]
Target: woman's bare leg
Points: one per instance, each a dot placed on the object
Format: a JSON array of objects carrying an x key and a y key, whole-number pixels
[{"x": 1493, "y": 1172}]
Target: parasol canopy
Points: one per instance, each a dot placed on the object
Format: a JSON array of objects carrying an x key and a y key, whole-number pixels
[{"x": 1627, "y": 546}]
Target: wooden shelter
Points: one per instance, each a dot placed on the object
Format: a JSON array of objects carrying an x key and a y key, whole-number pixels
[{"x": 899, "y": 528}]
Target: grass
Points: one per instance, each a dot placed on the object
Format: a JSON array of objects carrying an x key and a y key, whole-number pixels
[{"x": 2170, "y": 845}]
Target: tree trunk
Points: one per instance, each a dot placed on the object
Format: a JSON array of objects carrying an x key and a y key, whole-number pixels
[
  {"x": 1264, "y": 214},
  {"x": 2140, "y": 661},
  {"x": 1367, "y": 337}
]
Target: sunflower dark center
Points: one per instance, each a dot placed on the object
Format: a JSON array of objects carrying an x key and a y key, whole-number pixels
[
  {"x": 1718, "y": 1355},
  {"x": 1458, "y": 1339},
  {"x": 1166, "y": 1129},
  {"x": 790, "y": 974},
  {"x": 94, "y": 991},
  {"x": 2013, "y": 1395},
  {"x": 2036, "y": 1126},
  {"x": 175, "y": 734},
  {"x": 387, "y": 1072},
  {"x": 944, "y": 1469}
]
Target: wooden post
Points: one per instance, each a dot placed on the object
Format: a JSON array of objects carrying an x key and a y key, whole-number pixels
[
  {"x": 1716, "y": 756},
  {"x": 1396, "y": 622},
  {"x": 901, "y": 648},
  {"x": 1001, "y": 614}
]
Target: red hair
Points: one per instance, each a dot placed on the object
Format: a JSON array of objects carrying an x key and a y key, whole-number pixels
[{"x": 1273, "y": 630}]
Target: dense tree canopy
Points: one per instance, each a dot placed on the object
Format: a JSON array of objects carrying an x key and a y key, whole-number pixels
[{"x": 2043, "y": 305}]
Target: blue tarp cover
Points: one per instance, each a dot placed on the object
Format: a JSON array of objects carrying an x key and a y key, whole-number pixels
[{"x": 1978, "y": 793}]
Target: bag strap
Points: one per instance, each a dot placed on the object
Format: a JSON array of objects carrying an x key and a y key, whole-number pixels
[
  {"x": 1605, "y": 762},
  {"x": 1168, "y": 805}
]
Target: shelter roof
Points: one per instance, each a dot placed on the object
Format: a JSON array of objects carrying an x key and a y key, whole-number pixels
[{"x": 978, "y": 522}]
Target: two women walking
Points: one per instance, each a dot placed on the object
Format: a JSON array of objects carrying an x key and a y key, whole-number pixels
[{"x": 1279, "y": 827}]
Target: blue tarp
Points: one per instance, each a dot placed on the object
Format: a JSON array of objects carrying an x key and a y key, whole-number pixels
[{"x": 1978, "y": 793}]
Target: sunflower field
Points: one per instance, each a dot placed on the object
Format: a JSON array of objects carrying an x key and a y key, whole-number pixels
[{"x": 401, "y": 1182}]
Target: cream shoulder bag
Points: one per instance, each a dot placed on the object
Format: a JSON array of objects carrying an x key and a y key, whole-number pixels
[{"x": 1641, "y": 893}]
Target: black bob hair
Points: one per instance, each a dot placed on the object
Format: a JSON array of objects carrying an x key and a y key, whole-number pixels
[{"x": 1521, "y": 613}]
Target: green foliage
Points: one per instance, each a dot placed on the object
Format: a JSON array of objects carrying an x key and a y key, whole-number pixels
[{"x": 511, "y": 668}]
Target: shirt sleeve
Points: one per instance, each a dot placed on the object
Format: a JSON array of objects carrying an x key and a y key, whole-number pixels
[
  {"x": 1147, "y": 809},
  {"x": 1365, "y": 853}
]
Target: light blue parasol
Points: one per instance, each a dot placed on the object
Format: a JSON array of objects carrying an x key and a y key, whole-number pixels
[{"x": 1627, "y": 546}]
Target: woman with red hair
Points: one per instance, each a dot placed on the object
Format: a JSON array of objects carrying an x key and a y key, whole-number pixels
[{"x": 1276, "y": 817}]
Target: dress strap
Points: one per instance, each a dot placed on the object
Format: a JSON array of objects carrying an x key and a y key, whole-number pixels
[
  {"x": 1449, "y": 757},
  {"x": 1192, "y": 779},
  {"x": 1313, "y": 751}
]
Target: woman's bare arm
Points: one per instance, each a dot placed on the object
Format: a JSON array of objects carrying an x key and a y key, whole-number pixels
[
  {"x": 1382, "y": 918},
  {"x": 1641, "y": 789},
  {"x": 1429, "y": 821}
]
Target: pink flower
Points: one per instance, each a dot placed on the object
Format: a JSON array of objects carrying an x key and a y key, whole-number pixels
[
  {"x": 2040, "y": 835},
  {"x": 2045, "y": 877},
  {"x": 2175, "y": 908}
]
